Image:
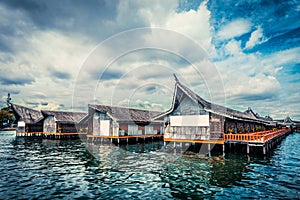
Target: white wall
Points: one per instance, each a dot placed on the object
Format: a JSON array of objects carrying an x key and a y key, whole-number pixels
[
  {"x": 104, "y": 127},
  {"x": 189, "y": 120}
]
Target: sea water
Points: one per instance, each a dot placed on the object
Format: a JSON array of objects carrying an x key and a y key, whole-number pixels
[{"x": 51, "y": 169}]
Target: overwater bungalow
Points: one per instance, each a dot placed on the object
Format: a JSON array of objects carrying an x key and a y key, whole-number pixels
[
  {"x": 27, "y": 119},
  {"x": 104, "y": 120},
  {"x": 193, "y": 118},
  {"x": 63, "y": 122},
  {"x": 34, "y": 121},
  {"x": 288, "y": 122}
]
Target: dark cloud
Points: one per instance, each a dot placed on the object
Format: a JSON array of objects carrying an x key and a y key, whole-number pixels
[
  {"x": 44, "y": 103},
  {"x": 31, "y": 103},
  {"x": 150, "y": 89},
  {"x": 256, "y": 97},
  {"x": 28, "y": 5},
  {"x": 4, "y": 47},
  {"x": 109, "y": 75},
  {"x": 39, "y": 96},
  {"x": 59, "y": 74},
  {"x": 9, "y": 90},
  {"x": 67, "y": 15},
  {"x": 13, "y": 80}
]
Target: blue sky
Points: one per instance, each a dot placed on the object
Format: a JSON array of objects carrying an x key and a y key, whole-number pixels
[{"x": 52, "y": 53}]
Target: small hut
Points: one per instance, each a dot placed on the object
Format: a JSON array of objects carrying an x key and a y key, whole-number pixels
[
  {"x": 63, "y": 122},
  {"x": 191, "y": 117},
  {"x": 104, "y": 120},
  {"x": 27, "y": 119}
]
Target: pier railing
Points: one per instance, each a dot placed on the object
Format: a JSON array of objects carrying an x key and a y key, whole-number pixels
[
  {"x": 261, "y": 136},
  {"x": 49, "y": 133}
]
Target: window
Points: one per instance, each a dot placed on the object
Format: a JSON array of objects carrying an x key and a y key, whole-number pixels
[{"x": 133, "y": 129}]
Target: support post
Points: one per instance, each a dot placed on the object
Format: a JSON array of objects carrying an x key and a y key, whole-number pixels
[
  {"x": 264, "y": 150},
  {"x": 248, "y": 148}
]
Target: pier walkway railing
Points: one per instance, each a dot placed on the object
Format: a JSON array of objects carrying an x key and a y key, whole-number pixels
[{"x": 261, "y": 136}]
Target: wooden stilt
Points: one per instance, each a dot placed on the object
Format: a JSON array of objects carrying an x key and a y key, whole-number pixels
[{"x": 248, "y": 148}]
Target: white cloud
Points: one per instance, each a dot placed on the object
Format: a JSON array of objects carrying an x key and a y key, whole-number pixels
[
  {"x": 255, "y": 38},
  {"x": 234, "y": 28},
  {"x": 194, "y": 24},
  {"x": 233, "y": 47}
]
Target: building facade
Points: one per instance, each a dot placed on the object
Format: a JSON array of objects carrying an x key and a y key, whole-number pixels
[
  {"x": 191, "y": 117},
  {"x": 63, "y": 122},
  {"x": 106, "y": 120},
  {"x": 27, "y": 119}
]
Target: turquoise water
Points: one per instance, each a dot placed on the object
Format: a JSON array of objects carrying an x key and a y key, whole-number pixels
[{"x": 47, "y": 169}]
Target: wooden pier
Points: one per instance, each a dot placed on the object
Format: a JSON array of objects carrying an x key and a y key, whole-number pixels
[
  {"x": 258, "y": 143},
  {"x": 51, "y": 135},
  {"x": 130, "y": 139}
]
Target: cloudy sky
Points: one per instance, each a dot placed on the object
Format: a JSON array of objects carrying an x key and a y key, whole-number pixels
[{"x": 64, "y": 54}]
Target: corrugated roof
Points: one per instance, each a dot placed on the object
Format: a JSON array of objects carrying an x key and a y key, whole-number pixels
[
  {"x": 126, "y": 114},
  {"x": 64, "y": 116},
  {"x": 27, "y": 115}
]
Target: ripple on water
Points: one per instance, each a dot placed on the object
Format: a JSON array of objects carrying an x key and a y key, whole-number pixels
[{"x": 44, "y": 169}]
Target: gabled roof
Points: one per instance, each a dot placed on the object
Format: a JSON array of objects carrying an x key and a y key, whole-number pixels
[
  {"x": 215, "y": 108},
  {"x": 64, "y": 116},
  {"x": 250, "y": 113},
  {"x": 27, "y": 115},
  {"x": 125, "y": 114},
  {"x": 211, "y": 107}
]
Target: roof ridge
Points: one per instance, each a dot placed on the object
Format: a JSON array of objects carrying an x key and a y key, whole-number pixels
[
  {"x": 140, "y": 109},
  {"x": 63, "y": 111},
  {"x": 25, "y": 107}
]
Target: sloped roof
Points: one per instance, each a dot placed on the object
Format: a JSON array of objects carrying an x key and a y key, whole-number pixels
[
  {"x": 125, "y": 114},
  {"x": 64, "y": 116},
  {"x": 211, "y": 107},
  {"x": 215, "y": 108},
  {"x": 27, "y": 115}
]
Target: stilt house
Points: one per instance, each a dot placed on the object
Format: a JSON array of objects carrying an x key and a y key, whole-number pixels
[
  {"x": 27, "y": 119},
  {"x": 63, "y": 122},
  {"x": 106, "y": 120},
  {"x": 191, "y": 117}
]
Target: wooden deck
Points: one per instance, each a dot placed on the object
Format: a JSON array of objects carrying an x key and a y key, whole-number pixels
[
  {"x": 126, "y": 137},
  {"x": 216, "y": 141},
  {"x": 48, "y": 133},
  {"x": 129, "y": 139},
  {"x": 256, "y": 137},
  {"x": 51, "y": 135},
  {"x": 266, "y": 140}
]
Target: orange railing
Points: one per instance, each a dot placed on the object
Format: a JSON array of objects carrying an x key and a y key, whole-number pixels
[{"x": 261, "y": 136}]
